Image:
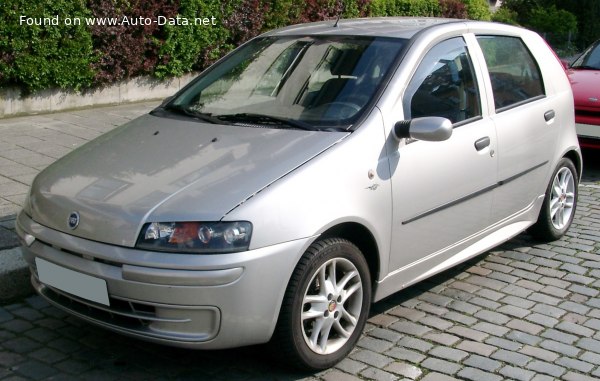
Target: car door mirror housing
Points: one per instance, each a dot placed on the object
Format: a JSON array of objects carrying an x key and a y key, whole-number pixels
[{"x": 430, "y": 128}]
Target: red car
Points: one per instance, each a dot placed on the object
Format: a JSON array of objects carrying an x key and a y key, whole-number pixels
[{"x": 584, "y": 75}]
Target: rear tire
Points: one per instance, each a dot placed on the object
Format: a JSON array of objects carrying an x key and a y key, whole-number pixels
[
  {"x": 559, "y": 205},
  {"x": 325, "y": 307}
]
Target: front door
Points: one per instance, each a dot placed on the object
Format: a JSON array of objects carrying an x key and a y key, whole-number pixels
[{"x": 442, "y": 191}]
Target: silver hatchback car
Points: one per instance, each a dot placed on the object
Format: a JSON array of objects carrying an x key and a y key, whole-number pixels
[{"x": 314, "y": 170}]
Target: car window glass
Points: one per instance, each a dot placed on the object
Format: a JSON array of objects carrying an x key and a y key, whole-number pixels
[
  {"x": 590, "y": 59},
  {"x": 514, "y": 74},
  {"x": 444, "y": 84}
]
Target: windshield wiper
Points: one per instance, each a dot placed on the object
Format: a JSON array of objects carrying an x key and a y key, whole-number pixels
[
  {"x": 266, "y": 119},
  {"x": 205, "y": 117}
]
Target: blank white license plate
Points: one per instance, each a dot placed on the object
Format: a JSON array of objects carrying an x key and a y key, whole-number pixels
[{"x": 78, "y": 284}]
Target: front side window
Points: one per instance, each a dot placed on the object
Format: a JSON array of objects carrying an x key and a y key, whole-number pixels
[
  {"x": 313, "y": 81},
  {"x": 444, "y": 85},
  {"x": 514, "y": 74}
]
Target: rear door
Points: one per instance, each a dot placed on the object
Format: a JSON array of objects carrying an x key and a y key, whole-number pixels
[{"x": 525, "y": 123}]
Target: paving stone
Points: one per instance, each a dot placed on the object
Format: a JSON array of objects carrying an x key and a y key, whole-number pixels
[
  {"x": 336, "y": 375},
  {"x": 523, "y": 338},
  {"x": 515, "y": 373},
  {"x": 518, "y": 302},
  {"x": 415, "y": 343},
  {"x": 371, "y": 358},
  {"x": 474, "y": 374},
  {"x": 492, "y": 317},
  {"x": 375, "y": 345},
  {"x": 35, "y": 370},
  {"x": 468, "y": 333},
  {"x": 405, "y": 354},
  {"x": 407, "y": 313},
  {"x": 576, "y": 329},
  {"x": 492, "y": 329},
  {"x": 378, "y": 375},
  {"x": 570, "y": 363},
  {"x": 383, "y": 320},
  {"x": 465, "y": 307},
  {"x": 559, "y": 336},
  {"x": 432, "y": 309},
  {"x": 517, "y": 291},
  {"x": 539, "y": 353},
  {"x": 525, "y": 326},
  {"x": 436, "y": 322},
  {"x": 448, "y": 353},
  {"x": 434, "y": 376},
  {"x": 405, "y": 370},
  {"x": 555, "y": 346},
  {"x": 542, "y": 320},
  {"x": 587, "y": 291},
  {"x": 589, "y": 344},
  {"x": 350, "y": 366},
  {"x": 460, "y": 318},
  {"x": 577, "y": 308},
  {"x": 385, "y": 334},
  {"x": 490, "y": 294},
  {"x": 572, "y": 376},
  {"x": 442, "y": 366},
  {"x": 483, "y": 363},
  {"x": 486, "y": 303},
  {"x": 546, "y": 368},
  {"x": 442, "y": 338},
  {"x": 514, "y": 311},
  {"x": 410, "y": 328},
  {"x": 503, "y": 343}
]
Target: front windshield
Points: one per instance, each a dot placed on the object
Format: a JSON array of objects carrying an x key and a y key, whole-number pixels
[
  {"x": 318, "y": 81},
  {"x": 590, "y": 59}
]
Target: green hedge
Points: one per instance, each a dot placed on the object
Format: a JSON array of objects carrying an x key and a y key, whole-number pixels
[{"x": 36, "y": 57}]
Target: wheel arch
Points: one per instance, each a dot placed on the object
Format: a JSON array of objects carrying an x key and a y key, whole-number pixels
[
  {"x": 575, "y": 157},
  {"x": 362, "y": 237}
]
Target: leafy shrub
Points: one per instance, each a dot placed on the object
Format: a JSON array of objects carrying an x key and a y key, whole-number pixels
[
  {"x": 556, "y": 21},
  {"x": 453, "y": 9},
  {"x": 478, "y": 9},
  {"x": 404, "y": 8},
  {"x": 246, "y": 21},
  {"x": 126, "y": 51},
  {"x": 505, "y": 16},
  {"x": 192, "y": 47},
  {"x": 43, "y": 56}
]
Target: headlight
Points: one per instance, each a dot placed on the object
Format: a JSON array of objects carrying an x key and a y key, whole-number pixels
[{"x": 196, "y": 237}]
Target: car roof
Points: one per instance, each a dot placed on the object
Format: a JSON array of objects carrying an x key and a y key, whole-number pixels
[{"x": 398, "y": 27}]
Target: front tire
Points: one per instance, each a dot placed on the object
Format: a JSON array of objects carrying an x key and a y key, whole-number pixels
[
  {"x": 560, "y": 202},
  {"x": 326, "y": 305}
]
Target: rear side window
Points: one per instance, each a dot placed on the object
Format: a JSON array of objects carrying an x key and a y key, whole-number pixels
[{"x": 515, "y": 75}]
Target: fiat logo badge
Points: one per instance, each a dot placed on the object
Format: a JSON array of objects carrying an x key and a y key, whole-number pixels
[
  {"x": 593, "y": 99},
  {"x": 73, "y": 220}
]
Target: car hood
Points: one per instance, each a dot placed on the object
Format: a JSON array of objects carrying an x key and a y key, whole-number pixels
[
  {"x": 157, "y": 169},
  {"x": 586, "y": 87}
]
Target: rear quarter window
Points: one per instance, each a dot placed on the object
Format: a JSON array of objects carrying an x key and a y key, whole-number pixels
[{"x": 514, "y": 73}]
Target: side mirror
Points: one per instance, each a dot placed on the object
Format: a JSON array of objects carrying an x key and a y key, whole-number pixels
[{"x": 430, "y": 128}]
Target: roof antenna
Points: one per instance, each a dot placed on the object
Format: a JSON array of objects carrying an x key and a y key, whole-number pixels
[{"x": 342, "y": 6}]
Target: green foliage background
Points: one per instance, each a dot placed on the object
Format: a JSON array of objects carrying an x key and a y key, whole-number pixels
[{"x": 78, "y": 57}]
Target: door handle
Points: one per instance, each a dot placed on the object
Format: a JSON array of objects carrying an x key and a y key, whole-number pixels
[
  {"x": 482, "y": 143},
  {"x": 549, "y": 115}
]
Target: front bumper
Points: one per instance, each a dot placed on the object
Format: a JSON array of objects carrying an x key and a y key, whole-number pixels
[{"x": 191, "y": 301}]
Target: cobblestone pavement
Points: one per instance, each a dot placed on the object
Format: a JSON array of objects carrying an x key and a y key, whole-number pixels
[{"x": 524, "y": 311}]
